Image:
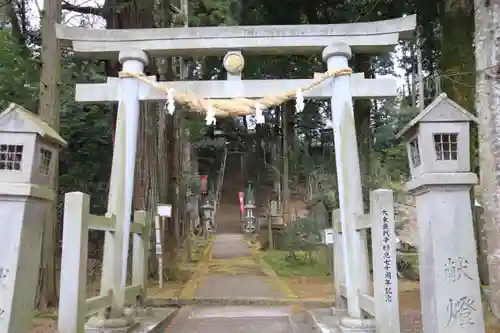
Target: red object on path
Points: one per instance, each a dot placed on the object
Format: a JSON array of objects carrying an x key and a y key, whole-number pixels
[
  {"x": 204, "y": 179},
  {"x": 241, "y": 197}
]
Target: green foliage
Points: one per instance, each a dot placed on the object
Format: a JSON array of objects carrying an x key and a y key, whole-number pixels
[
  {"x": 302, "y": 264},
  {"x": 196, "y": 128},
  {"x": 327, "y": 198},
  {"x": 85, "y": 165},
  {"x": 303, "y": 234},
  {"x": 389, "y": 153},
  {"x": 19, "y": 74},
  {"x": 192, "y": 181},
  {"x": 209, "y": 143},
  {"x": 214, "y": 12}
]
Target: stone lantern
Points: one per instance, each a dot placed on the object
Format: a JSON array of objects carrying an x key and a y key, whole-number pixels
[
  {"x": 28, "y": 155},
  {"x": 250, "y": 224},
  {"x": 250, "y": 198},
  {"x": 207, "y": 210},
  {"x": 439, "y": 156}
]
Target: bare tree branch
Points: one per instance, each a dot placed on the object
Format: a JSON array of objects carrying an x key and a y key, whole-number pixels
[{"x": 82, "y": 9}]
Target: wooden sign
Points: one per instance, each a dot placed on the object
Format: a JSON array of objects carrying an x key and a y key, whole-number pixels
[
  {"x": 327, "y": 236},
  {"x": 164, "y": 210}
]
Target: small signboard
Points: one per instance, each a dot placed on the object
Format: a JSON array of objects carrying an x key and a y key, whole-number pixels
[
  {"x": 327, "y": 236},
  {"x": 165, "y": 210}
]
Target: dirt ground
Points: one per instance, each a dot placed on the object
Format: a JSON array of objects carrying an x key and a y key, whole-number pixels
[
  {"x": 46, "y": 322},
  {"x": 44, "y": 325}
]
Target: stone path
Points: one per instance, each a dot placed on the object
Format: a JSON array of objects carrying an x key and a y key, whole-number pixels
[
  {"x": 232, "y": 320},
  {"x": 234, "y": 271}
]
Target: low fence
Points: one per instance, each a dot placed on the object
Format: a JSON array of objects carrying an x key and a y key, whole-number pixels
[
  {"x": 384, "y": 303},
  {"x": 74, "y": 306}
]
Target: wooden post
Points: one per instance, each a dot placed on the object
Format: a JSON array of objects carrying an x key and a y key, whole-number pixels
[
  {"x": 270, "y": 231},
  {"x": 72, "y": 308},
  {"x": 384, "y": 261},
  {"x": 285, "y": 203},
  {"x": 159, "y": 248}
]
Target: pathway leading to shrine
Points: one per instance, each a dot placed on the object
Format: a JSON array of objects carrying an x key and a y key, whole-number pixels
[{"x": 234, "y": 271}]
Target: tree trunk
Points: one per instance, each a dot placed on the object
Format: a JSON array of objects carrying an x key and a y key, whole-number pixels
[
  {"x": 287, "y": 121},
  {"x": 147, "y": 186},
  {"x": 165, "y": 73},
  {"x": 49, "y": 112},
  {"x": 171, "y": 241},
  {"x": 362, "y": 110},
  {"x": 487, "y": 42},
  {"x": 189, "y": 197},
  {"x": 457, "y": 52}
]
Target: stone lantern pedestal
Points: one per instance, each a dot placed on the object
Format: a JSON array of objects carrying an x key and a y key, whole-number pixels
[{"x": 28, "y": 154}]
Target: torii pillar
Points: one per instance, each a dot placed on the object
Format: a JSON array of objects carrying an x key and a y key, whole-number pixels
[{"x": 348, "y": 178}]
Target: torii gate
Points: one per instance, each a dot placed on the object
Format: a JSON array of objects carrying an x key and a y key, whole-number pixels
[{"x": 336, "y": 42}]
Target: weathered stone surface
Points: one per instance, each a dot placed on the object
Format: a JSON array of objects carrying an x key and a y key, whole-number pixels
[
  {"x": 229, "y": 246},
  {"x": 25, "y": 193},
  {"x": 441, "y": 181},
  {"x": 369, "y": 37},
  {"x": 361, "y": 88},
  {"x": 234, "y": 301},
  {"x": 221, "y": 285},
  {"x": 155, "y": 321},
  {"x": 241, "y": 319},
  {"x": 335, "y": 321}
]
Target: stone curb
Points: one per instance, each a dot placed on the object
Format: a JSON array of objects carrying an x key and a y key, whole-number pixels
[
  {"x": 222, "y": 301},
  {"x": 164, "y": 324}
]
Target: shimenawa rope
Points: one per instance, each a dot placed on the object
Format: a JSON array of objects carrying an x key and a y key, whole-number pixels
[{"x": 235, "y": 106}]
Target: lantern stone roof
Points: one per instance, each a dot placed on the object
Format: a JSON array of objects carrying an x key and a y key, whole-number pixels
[
  {"x": 442, "y": 109},
  {"x": 18, "y": 119}
]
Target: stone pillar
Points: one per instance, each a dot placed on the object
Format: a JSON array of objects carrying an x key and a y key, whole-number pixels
[
  {"x": 111, "y": 239},
  {"x": 348, "y": 178},
  {"x": 132, "y": 61},
  {"x": 20, "y": 246},
  {"x": 121, "y": 189},
  {"x": 449, "y": 279}
]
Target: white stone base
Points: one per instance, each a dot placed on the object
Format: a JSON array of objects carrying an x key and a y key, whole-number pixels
[
  {"x": 138, "y": 312},
  {"x": 99, "y": 324},
  {"x": 146, "y": 320},
  {"x": 356, "y": 325},
  {"x": 335, "y": 320}
]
